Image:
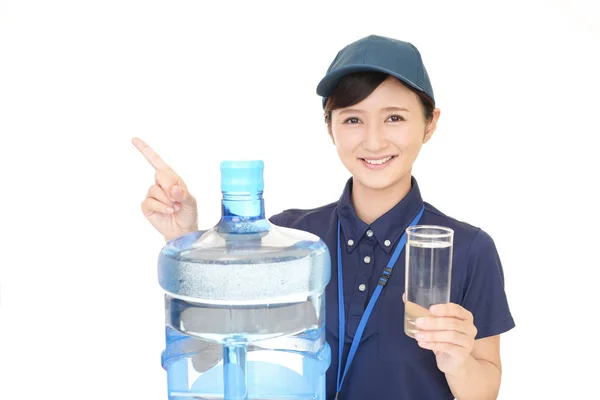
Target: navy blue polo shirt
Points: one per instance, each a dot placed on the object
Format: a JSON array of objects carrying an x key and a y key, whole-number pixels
[{"x": 388, "y": 364}]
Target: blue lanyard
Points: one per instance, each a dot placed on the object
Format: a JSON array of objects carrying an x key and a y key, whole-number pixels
[{"x": 363, "y": 321}]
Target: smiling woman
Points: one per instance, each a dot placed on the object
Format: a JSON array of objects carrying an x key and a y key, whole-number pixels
[{"x": 380, "y": 109}]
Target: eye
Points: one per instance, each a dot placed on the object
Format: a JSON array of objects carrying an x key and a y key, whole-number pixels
[
  {"x": 396, "y": 118},
  {"x": 351, "y": 120}
]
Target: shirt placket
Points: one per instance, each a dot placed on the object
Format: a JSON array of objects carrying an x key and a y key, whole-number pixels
[{"x": 365, "y": 259}]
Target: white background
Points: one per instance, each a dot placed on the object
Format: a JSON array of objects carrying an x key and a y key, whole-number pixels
[{"x": 81, "y": 312}]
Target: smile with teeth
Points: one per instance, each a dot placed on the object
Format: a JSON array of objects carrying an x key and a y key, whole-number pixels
[{"x": 378, "y": 162}]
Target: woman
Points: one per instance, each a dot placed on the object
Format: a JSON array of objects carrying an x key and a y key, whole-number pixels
[{"x": 380, "y": 109}]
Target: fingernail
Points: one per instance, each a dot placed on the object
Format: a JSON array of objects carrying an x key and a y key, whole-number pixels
[
  {"x": 177, "y": 207},
  {"x": 420, "y": 335},
  {"x": 420, "y": 322},
  {"x": 170, "y": 210}
]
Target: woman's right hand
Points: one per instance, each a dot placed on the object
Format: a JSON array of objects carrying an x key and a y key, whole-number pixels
[{"x": 168, "y": 205}]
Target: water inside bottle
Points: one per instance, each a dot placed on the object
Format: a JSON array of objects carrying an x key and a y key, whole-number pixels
[{"x": 246, "y": 319}]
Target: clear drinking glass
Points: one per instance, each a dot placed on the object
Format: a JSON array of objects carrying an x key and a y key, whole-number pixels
[{"x": 428, "y": 271}]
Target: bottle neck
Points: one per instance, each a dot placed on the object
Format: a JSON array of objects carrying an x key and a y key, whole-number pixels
[{"x": 238, "y": 207}]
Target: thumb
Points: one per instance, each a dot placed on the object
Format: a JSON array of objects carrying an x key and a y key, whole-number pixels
[{"x": 186, "y": 216}]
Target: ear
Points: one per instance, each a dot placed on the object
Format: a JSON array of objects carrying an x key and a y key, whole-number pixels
[{"x": 431, "y": 126}]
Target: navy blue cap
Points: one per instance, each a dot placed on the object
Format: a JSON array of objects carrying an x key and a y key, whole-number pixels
[{"x": 378, "y": 53}]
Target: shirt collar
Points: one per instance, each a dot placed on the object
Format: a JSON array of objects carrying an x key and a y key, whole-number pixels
[{"x": 387, "y": 229}]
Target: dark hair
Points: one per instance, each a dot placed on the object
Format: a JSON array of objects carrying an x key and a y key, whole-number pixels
[{"x": 356, "y": 87}]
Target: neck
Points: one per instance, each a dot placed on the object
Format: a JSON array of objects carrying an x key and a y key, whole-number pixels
[
  {"x": 243, "y": 213},
  {"x": 371, "y": 204},
  {"x": 247, "y": 206}
]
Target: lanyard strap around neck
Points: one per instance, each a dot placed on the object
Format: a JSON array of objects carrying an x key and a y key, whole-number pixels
[{"x": 385, "y": 276}]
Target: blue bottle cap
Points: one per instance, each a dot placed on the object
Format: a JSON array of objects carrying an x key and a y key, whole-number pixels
[{"x": 242, "y": 176}]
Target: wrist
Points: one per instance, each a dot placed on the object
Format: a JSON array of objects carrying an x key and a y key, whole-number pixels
[{"x": 463, "y": 369}]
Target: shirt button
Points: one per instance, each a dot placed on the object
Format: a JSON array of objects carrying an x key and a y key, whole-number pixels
[
  {"x": 367, "y": 259},
  {"x": 369, "y": 233},
  {"x": 362, "y": 287},
  {"x": 350, "y": 242},
  {"x": 387, "y": 243}
]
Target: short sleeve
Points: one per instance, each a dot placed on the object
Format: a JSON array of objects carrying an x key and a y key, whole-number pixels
[
  {"x": 278, "y": 219},
  {"x": 484, "y": 294}
]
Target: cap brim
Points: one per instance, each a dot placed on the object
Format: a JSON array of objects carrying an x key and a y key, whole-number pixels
[{"x": 330, "y": 81}]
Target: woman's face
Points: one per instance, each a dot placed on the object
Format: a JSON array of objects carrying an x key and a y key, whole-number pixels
[{"x": 379, "y": 138}]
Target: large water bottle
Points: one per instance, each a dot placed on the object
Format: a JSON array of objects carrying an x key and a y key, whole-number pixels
[{"x": 245, "y": 303}]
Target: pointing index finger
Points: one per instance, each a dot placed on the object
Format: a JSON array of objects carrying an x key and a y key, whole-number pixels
[{"x": 152, "y": 157}]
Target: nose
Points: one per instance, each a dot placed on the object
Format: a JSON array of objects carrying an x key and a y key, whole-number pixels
[{"x": 374, "y": 140}]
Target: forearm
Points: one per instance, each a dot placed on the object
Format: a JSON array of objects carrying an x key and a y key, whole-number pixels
[{"x": 478, "y": 380}]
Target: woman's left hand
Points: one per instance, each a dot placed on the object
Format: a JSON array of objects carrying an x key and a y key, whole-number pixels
[{"x": 450, "y": 333}]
